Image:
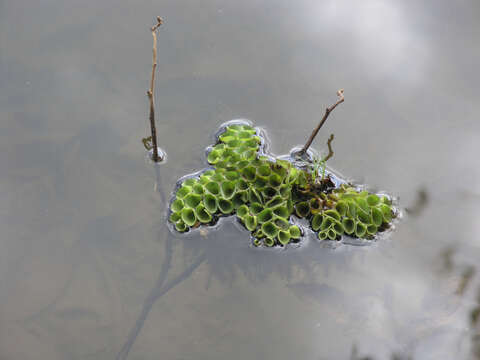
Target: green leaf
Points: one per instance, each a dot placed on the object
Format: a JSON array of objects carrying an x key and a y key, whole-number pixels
[
  {"x": 188, "y": 216},
  {"x": 177, "y": 205}
]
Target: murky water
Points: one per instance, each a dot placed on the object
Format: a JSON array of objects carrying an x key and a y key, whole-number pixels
[{"x": 88, "y": 269}]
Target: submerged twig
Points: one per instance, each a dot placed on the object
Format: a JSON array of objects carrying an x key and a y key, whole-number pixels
[
  {"x": 150, "y": 92},
  {"x": 330, "y": 151},
  {"x": 328, "y": 110}
]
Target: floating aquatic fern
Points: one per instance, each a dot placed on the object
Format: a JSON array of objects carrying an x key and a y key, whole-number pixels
[{"x": 265, "y": 192}]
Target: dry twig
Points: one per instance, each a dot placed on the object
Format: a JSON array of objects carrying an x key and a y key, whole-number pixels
[
  {"x": 328, "y": 110},
  {"x": 150, "y": 92}
]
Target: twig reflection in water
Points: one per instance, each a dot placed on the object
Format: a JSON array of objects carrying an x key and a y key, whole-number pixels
[{"x": 157, "y": 292}]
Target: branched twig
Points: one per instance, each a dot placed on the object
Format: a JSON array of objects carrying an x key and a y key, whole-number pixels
[
  {"x": 330, "y": 150},
  {"x": 328, "y": 110},
  {"x": 150, "y": 92}
]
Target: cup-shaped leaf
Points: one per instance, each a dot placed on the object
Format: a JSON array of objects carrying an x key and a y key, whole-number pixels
[
  {"x": 292, "y": 175},
  {"x": 360, "y": 229},
  {"x": 253, "y": 141},
  {"x": 341, "y": 207},
  {"x": 260, "y": 181},
  {"x": 364, "y": 216},
  {"x": 301, "y": 179},
  {"x": 210, "y": 202},
  {"x": 180, "y": 226},
  {"x": 269, "y": 192},
  {"x": 294, "y": 231},
  {"x": 352, "y": 209},
  {"x": 281, "y": 211},
  {"x": 327, "y": 223},
  {"x": 362, "y": 203},
  {"x": 188, "y": 216},
  {"x": 242, "y": 185},
  {"x": 192, "y": 200},
  {"x": 218, "y": 177},
  {"x": 386, "y": 200},
  {"x": 198, "y": 189},
  {"x": 377, "y": 216},
  {"x": 284, "y": 163},
  {"x": 183, "y": 191},
  {"x": 244, "y": 134},
  {"x": 302, "y": 209},
  {"x": 283, "y": 237},
  {"x": 275, "y": 180},
  {"x": 239, "y": 198},
  {"x": 214, "y": 156},
  {"x": 232, "y": 161},
  {"x": 316, "y": 222},
  {"x": 338, "y": 227},
  {"x": 202, "y": 214},
  {"x": 323, "y": 235},
  {"x": 332, "y": 213},
  {"x": 315, "y": 205},
  {"x": 372, "y": 229},
  {"x": 249, "y": 173},
  {"x": 264, "y": 170},
  {"x": 332, "y": 235},
  {"x": 254, "y": 196},
  {"x": 242, "y": 211},
  {"x": 259, "y": 234},
  {"x": 257, "y": 242},
  {"x": 174, "y": 217},
  {"x": 277, "y": 200},
  {"x": 373, "y": 200},
  {"x": 248, "y": 155},
  {"x": 280, "y": 169},
  {"x": 290, "y": 205},
  {"x": 285, "y": 190},
  {"x": 204, "y": 179},
  {"x": 269, "y": 229},
  {"x": 386, "y": 211},
  {"x": 227, "y": 137},
  {"x": 241, "y": 164},
  {"x": 269, "y": 241},
  {"x": 281, "y": 223},
  {"x": 349, "y": 225},
  {"x": 256, "y": 208},
  {"x": 265, "y": 215},
  {"x": 177, "y": 205},
  {"x": 212, "y": 187},
  {"x": 236, "y": 127},
  {"x": 227, "y": 189},
  {"x": 190, "y": 182},
  {"x": 232, "y": 175},
  {"x": 234, "y": 143},
  {"x": 225, "y": 206},
  {"x": 250, "y": 222},
  {"x": 209, "y": 173}
]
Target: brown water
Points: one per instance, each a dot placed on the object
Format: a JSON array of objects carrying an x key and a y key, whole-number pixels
[{"x": 88, "y": 269}]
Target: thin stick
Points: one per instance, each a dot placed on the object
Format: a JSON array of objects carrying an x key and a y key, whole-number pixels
[
  {"x": 150, "y": 92},
  {"x": 328, "y": 110}
]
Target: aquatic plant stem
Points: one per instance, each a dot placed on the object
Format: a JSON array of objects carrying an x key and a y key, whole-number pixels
[
  {"x": 150, "y": 92},
  {"x": 328, "y": 110}
]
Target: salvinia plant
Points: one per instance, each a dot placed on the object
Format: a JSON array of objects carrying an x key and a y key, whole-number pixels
[{"x": 269, "y": 195}]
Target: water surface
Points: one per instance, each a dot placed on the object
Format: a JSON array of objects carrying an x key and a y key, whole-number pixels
[{"x": 88, "y": 269}]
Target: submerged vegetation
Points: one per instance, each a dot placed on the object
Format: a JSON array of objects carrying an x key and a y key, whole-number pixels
[{"x": 267, "y": 193}]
